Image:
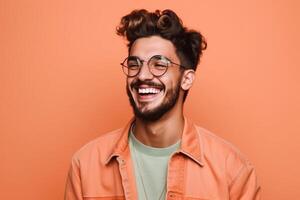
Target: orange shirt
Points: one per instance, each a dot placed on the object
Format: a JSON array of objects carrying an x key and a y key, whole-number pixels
[{"x": 205, "y": 167}]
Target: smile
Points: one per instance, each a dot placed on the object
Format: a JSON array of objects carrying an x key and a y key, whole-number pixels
[{"x": 147, "y": 93}]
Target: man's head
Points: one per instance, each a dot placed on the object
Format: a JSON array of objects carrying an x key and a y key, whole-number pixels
[{"x": 163, "y": 56}]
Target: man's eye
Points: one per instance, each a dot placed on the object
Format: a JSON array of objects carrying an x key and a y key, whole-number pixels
[
  {"x": 160, "y": 65},
  {"x": 132, "y": 65}
]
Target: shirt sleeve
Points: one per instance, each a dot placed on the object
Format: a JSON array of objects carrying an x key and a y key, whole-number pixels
[
  {"x": 244, "y": 184},
  {"x": 73, "y": 189}
]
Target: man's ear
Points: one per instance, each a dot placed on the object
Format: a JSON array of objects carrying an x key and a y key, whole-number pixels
[{"x": 187, "y": 79}]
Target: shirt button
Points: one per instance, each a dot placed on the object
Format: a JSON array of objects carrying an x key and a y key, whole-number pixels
[
  {"x": 122, "y": 161},
  {"x": 171, "y": 195}
]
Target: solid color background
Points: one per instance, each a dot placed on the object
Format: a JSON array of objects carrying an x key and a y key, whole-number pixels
[{"x": 61, "y": 85}]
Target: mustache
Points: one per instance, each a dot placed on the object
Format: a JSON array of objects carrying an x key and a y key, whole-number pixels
[{"x": 136, "y": 84}]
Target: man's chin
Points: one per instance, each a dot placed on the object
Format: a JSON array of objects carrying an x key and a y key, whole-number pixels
[
  {"x": 148, "y": 116},
  {"x": 146, "y": 107}
]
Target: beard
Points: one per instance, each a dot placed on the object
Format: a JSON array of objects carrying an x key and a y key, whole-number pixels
[{"x": 155, "y": 114}]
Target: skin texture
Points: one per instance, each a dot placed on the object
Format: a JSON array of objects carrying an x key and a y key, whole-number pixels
[{"x": 166, "y": 130}]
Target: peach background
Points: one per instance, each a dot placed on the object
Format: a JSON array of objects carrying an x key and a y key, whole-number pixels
[{"x": 61, "y": 85}]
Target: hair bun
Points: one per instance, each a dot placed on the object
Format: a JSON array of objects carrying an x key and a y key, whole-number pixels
[{"x": 169, "y": 24}]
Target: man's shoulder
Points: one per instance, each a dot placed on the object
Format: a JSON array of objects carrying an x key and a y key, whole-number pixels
[
  {"x": 100, "y": 147},
  {"x": 216, "y": 146}
]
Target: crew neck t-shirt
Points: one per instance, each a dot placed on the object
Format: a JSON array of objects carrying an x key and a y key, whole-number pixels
[{"x": 150, "y": 168}]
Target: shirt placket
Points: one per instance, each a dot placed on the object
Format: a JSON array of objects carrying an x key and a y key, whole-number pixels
[
  {"x": 127, "y": 176},
  {"x": 176, "y": 177}
]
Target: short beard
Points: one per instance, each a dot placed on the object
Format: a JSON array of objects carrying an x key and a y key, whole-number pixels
[{"x": 172, "y": 96}]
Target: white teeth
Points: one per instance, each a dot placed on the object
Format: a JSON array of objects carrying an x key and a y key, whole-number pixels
[{"x": 148, "y": 90}]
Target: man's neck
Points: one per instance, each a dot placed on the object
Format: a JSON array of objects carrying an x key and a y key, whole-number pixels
[{"x": 161, "y": 133}]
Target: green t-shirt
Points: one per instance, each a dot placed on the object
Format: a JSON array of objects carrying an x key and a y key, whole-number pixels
[{"x": 150, "y": 168}]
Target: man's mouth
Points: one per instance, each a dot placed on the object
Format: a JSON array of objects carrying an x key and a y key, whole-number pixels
[{"x": 148, "y": 93}]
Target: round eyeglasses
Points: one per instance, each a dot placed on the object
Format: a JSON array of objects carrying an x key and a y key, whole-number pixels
[{"x": 157, "y": 65}]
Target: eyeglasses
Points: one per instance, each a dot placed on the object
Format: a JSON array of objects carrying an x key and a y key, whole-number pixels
[{"x": 157, "y": 65}]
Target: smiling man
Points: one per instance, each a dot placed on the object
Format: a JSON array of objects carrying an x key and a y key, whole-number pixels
[{"x": 160, "y": 154}]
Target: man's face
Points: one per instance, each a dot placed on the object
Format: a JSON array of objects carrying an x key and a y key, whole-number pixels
[{"x": 151, "y": 97}]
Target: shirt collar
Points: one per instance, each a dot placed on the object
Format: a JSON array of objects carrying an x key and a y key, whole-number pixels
[{"x": 191, "y": 143}]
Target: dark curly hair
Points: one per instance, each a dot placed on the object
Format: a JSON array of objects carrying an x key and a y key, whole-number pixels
[{"x": 189, "y": 44}]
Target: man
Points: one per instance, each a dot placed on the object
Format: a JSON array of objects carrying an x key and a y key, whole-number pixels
[{"x": 160, "y": 154}]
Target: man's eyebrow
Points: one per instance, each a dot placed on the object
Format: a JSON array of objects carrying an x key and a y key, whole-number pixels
[{"x": 131, "y": 57}]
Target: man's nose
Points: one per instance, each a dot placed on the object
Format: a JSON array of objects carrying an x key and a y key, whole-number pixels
[{"x": 145, "y": 73}]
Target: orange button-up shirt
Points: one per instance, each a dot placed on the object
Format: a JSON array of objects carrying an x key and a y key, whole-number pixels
[{"x": 205, "y": 167}]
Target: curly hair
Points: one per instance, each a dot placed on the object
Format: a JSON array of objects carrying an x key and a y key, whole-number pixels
[{"x": 189, "y": 44}]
